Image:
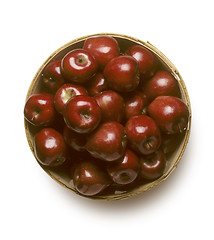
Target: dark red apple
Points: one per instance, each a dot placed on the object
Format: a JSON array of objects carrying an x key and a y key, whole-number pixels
[
  {"x": 103, "y": 48},
  {"x": 49, "y": 147},
  {"x": 78, "y": 66},
  {"x": 162, "y": 84},
  {"x": 74, "y": 140},
  {"x": 52, "y": 78},
  {"x": 89, "y": 178},
  {"x": 171, "y": 142},
  {"x": 97, "y": 84},
  {"x": 122, "y": 74},
  {"x": 143, "y": 134},
  {"x": 82, "y": 114},
  {"x": 66, "y": 92},
  {"x": 112, "y": 106},
  {"x": 39, "y": 109},
  {"x": 107, "y": 142},
  {"x": 136, "y": 104},
  {"x": 146, "y": 60},
  {"x": 170, "y": 113},
  {"x": 125, "y": 170},
  {"x": 153, "y": 166}
]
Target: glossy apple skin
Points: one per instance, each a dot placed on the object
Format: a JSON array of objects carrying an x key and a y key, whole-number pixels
[
  {"x": 64, "y": 93},
  {"x": 50, "y": 148},
  {"x": 162, "y": 84},
  {"x": 112, "y": 106},
  {"x": 90, "y": 179},
  {"x": 146, "y": 60},
  {"x": 108, "y": 142},
  {"x": 170, "y": 113},
  {"x": 78, "y": 66},
  {"x": 153, "y": 166},
  {"x": 171, "y": 142},
  {"x": 82, "y": 114},
  {"x": 52, "y": 78},
  {"x": 136, "y": 104},
  {"x": 74, "y": 140},
  {"x": 97, "y": 84},
  {"x": 143, "y": 134},
  {"x": 103, "y": 48},
  {"x": 125, "y": 170},
  {"x": 39, "y": 109},
  {"x": 122, "y": 74}
]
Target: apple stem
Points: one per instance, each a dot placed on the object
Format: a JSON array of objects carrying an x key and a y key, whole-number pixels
[
  {"x": 144, "y": 111},
  {"x": 148, "y": 145}
]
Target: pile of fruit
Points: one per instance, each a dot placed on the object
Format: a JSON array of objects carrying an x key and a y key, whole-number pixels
[{"x": 108, "y": 119}]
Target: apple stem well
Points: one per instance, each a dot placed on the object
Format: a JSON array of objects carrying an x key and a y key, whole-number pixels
[
  {"x": 148, "y": 145},
  {"x": 85, "y": 114},
  {"x": 124, "y": 176},
  {"x": 36, "y": 112},
  {"x": 81, "y": 60},
  {"x": 67, "y": 95}
]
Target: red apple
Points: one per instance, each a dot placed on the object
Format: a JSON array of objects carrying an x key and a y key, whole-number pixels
[
  {"x": 143, "y": 134},
  {"x": 171, "y": 142},
  {"x": 107, "y": 142},
  {"x": 153, "y": 166},
  {"x": 82, "y": 114},
  {"x": 111, "y": 105},
  {"x": 170, "y": 113},
  {"x": 125, "y": 170},
  {"x": 122, "y": 74},
  {"x": 136, "y": 104},
  {"x": 145, "y": 58},
  {"x": 49, "y": 147},
  {"x": 103, "y": 48},
  {"x": 162, "y": 84},
  {"x": 97, "y": 84},
  {"x": 78, "y": 66},
  {"x": 74, "y": 140},
  {"x": 52, "y": 78},
  {"x": 64, "y": 93},
  {"x": 89, "y": 178},
  {"x": 39, "y": 109}
]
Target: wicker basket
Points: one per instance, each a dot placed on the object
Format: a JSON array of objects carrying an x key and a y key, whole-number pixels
[{"x": 124, "y": 42}]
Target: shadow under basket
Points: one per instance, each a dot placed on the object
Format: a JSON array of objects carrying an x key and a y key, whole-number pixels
[{"x": 124, "y": 42}]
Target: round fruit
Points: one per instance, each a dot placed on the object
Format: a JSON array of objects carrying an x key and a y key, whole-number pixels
[
  {"x": 52, "y": 78},
  {"x": 153, "y": 166},
  {"x": 89, "y": 179},
  {"x": 82, "y": 114},
  {"x": 125, "y": 170},
  {"x": 122, "y": 74},
  {"x": 143, "y": 134},
  {"x": 39, "y": 109},
  {"x": 111, "y": 105},
  {"x": 170, "y": 113},
  {"x": 78, "y": 66},
  {"x": 49, "y": 147},
  {"x": 145, "y": 59},
  {"x": 64, "y": 93},
  {"x": 136, "y": 104},
  {"x": 74, "y": 140},
  {"x": 107, "y": 142},
  {"x": 103, "y": 48},
  {"x": 97, "y": 84},
  {"x": 171, "y": 142},
  {"x": 162, "y": 84}
]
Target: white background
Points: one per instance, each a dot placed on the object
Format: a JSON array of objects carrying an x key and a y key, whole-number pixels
[{"x": 33, "y": 206}]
